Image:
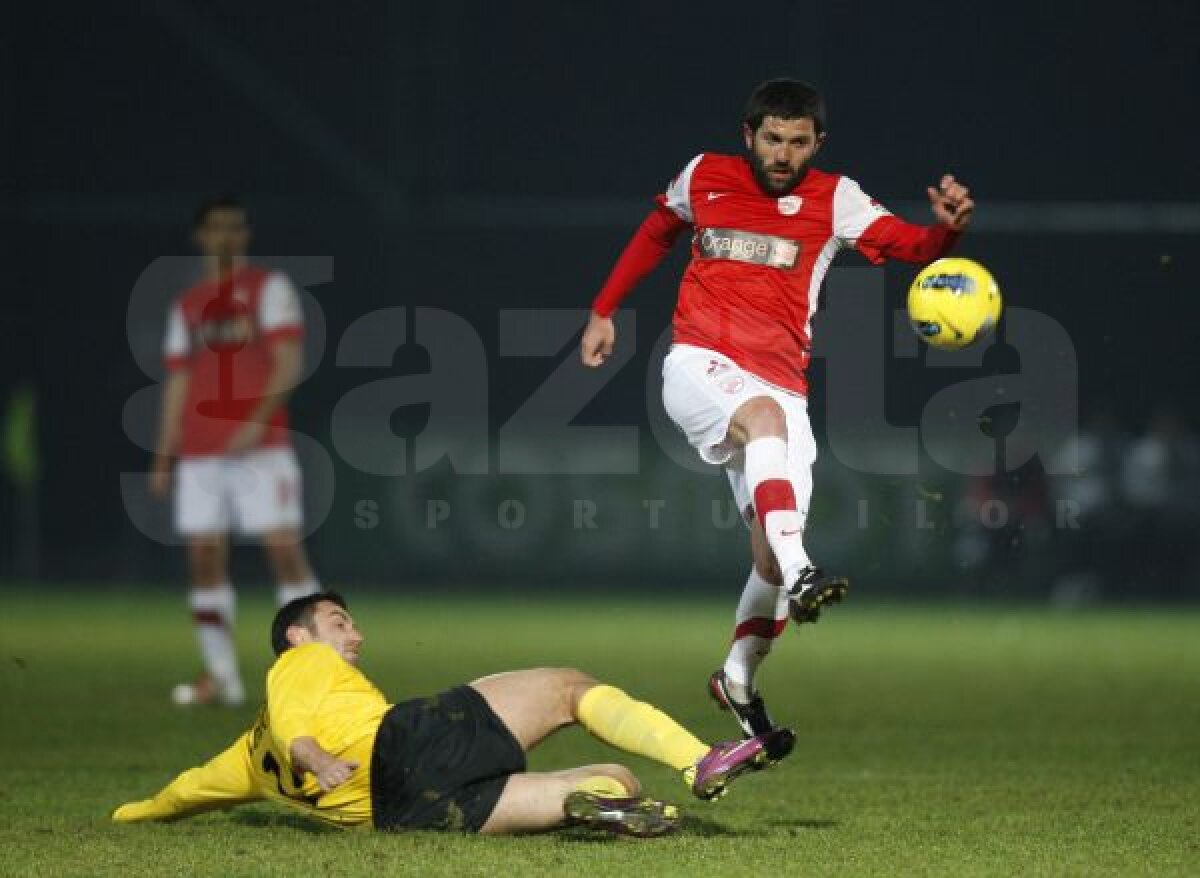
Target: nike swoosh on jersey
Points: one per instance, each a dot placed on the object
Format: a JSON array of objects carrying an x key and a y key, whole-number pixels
[{"x": 713, "y": 196}]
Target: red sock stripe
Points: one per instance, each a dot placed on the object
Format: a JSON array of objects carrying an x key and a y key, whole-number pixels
[
  {"x": 759, "y": 627},
  {"x": 772, "y": 495},
  {"x": 208, "y": 617}
]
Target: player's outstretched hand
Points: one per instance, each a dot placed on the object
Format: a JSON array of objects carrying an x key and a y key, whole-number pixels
[
  {"x": 334, "y": 772},
  {"x": 951, "y": 202},
  {"x": 598, "y": 338},
  {"x": 136, "y": 812}
]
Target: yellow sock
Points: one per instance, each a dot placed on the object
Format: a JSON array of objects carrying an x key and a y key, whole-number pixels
[
  {"x": 603, "y": 785},
  {"x": 637, "y": 727}
]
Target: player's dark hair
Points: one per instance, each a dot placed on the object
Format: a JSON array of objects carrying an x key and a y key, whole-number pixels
[
  {"x": 299, "y": 612},
  {"x": 785, "y": 99},
  {"x": 207, "y": 208}
]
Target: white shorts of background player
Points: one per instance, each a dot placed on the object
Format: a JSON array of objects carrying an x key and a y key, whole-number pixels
[{"x": 252, "y": 494}]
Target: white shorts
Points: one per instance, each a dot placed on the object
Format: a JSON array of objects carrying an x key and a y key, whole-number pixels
[
  {"x": 701, "y": 391},
  {"x": 253, "y": 493}
]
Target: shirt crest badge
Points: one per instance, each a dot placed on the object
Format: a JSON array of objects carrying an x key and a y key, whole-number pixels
[{"x": 789, "y": 205}]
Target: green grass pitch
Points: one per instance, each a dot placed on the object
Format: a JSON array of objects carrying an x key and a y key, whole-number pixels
[{"x": 932, "y": 741}]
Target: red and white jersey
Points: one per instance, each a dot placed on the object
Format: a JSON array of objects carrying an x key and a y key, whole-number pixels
[
  {"x": 758, "y": 260},
  {"x": 221, "y": 332}
]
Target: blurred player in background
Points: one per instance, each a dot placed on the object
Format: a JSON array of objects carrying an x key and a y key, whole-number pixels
[
  {"x": 765, "y": 227},
  {"x": 328, "y": 743},
  {"x": 233, "y": 352}
]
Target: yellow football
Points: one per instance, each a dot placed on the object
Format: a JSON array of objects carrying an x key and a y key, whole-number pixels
[{"x": 953, "y": 302}]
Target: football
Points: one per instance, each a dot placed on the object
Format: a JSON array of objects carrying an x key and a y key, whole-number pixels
[{"x": 953, "y": 302}]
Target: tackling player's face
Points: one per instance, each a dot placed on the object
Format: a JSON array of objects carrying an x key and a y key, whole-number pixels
[
  {"x": 780, "y": 151},
  {"x": 224, "y": 235},
  {"x": 333, "y": 625}
]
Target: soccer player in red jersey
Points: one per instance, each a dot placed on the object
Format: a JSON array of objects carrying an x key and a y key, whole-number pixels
[
  {"x": 233, "y": 352},
  {"x": 764, "y": 229}
]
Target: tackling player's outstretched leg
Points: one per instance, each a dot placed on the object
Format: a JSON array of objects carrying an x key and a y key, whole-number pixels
[{"x": 535, "y": 703}]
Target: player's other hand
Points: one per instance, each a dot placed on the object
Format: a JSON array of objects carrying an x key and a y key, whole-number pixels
[
  {"x": 160, "y": 476},
  {"x": 246, "y": 437},
  {"x": 598, "y": 338},
  {"x": 951, "y": 203},
  {"x": 334, "y": 772}
]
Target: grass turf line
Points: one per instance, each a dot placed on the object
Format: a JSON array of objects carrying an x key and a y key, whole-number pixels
[{"x": 932, "y": 741}]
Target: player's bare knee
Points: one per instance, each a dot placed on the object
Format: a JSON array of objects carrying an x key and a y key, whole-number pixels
[
  {"x": 759, "y": 417},
  {"x": 573, "y": 685}
]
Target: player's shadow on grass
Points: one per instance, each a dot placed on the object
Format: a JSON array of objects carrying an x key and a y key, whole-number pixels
[
  {"x": 710, "y": 828},
  {"x": 261, "y": 820},
  {"x": 696, "y": 826},
  {"x": 804, "y": 824},
  {"x": 705, "y": 828}
]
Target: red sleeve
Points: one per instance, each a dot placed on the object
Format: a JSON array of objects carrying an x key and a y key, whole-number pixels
[
  {"x": 648, "y": 247},
  {"x": 892, "y": 238}
]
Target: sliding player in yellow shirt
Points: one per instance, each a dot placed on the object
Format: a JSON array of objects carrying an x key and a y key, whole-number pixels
[{"x": 328, "y": 743}]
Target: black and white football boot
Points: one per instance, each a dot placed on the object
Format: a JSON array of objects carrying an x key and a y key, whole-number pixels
[
  {"x": 813, "y": 591},
  {"x": 752, "y": 716}
]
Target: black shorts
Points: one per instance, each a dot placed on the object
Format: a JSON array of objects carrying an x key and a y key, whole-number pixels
[{"x": 441, "y": 763}]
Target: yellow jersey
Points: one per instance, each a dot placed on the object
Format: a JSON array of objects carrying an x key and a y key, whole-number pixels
[{"x": 311, "y": 692}]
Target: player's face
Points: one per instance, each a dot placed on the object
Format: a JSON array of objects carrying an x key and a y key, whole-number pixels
[
  {"x": 780, "y": 151},
  {"x": 333, "y": 625},
  {"x": 224, "y": 235}
]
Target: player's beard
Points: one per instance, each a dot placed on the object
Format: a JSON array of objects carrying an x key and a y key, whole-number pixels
[{"x": 769, "y": 184}]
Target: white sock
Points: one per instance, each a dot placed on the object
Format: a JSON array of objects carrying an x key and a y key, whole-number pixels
[
  {"x": 286, "y": 592},
  {"x": 775, "y": 504},
  {"x": 213, "y": 613},
  {"x": 762, "y": 615}
]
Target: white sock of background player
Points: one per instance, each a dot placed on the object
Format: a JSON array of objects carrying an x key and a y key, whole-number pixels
[
  {"x": 213, "y": 611},
  {"x": 286, "y": 592}
]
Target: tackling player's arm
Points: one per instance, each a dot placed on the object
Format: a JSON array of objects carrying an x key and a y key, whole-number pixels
[
  {"x": 222, "y": 782},
  {"x": 282, "y": 325},
  {"x": 648, "y": 247},
  {"x": 308, "y": 756},
  {"x": 176, "y": 352},
  {"x": 296, "y": 686},
  {"x": 892, "y": 238}
]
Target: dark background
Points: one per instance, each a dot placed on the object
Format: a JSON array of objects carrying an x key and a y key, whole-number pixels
[{"x": 473, "y": 156}]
